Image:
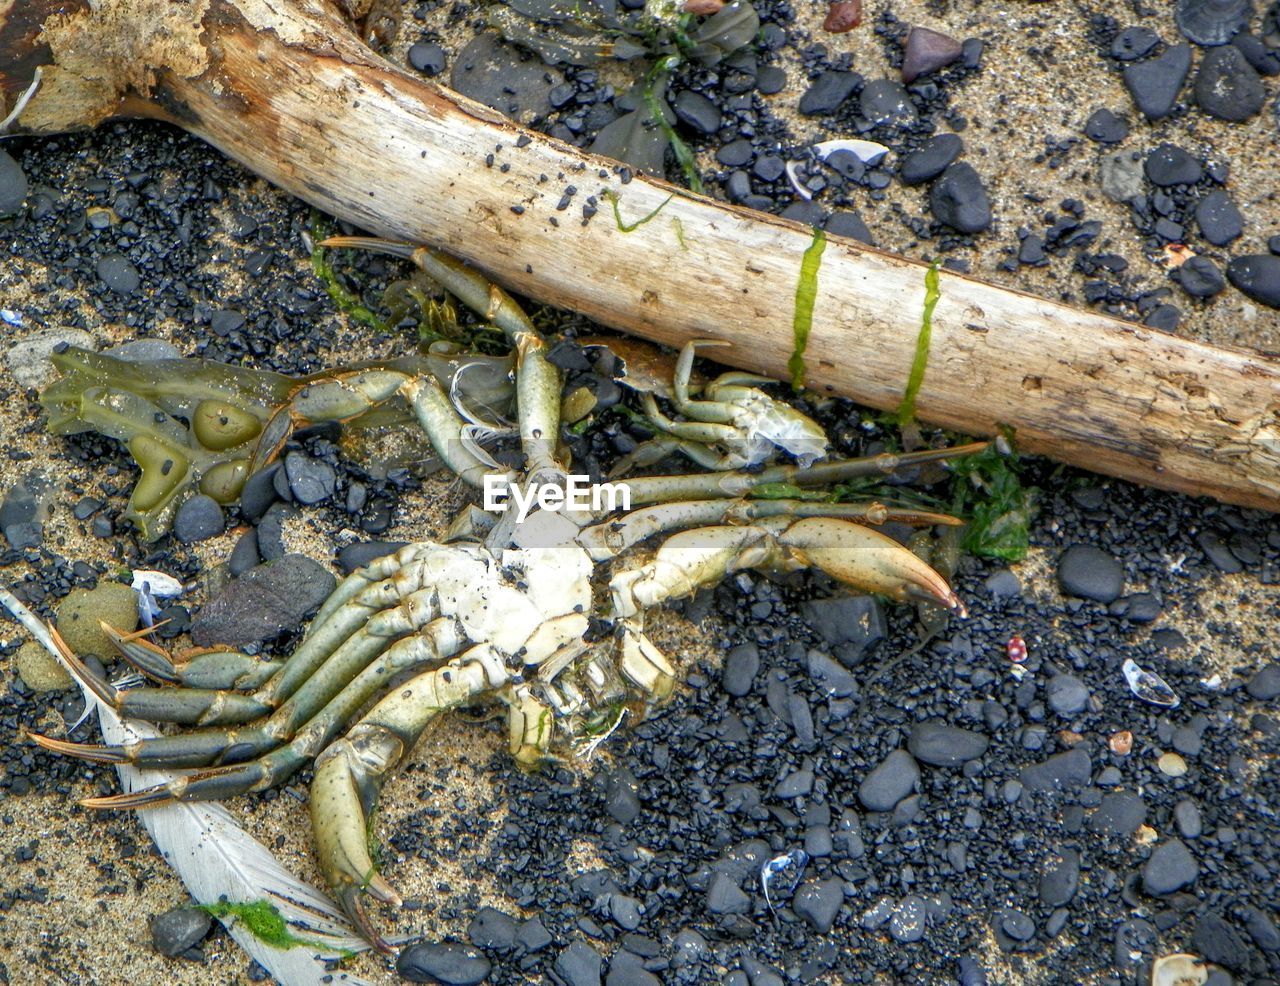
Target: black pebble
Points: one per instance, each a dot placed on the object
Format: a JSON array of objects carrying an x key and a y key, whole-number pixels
[
  {"x": 885, "y": 103},
  {"x": 1105, "y": 127},
  {"x": 893, "y": 779},
  {"x": 1155, "y": 83},
  {"x": 1200, "y": 278},
  {"x": 361, "y": 553},
  {"x": 740, "y": 667},
  {"x": 818, "y": 903},
  {"x": 1133, "y": 43},
  {"x": 198, "y": 519},
  {"x": 13, "y": 185},
  {"x": 451, "y": 963},
  {"x": 771, "y": 79},
  {"x": 1031, "y": 251},
  {"x": 827, "y": 92},
  {"x": 1258, "y": 276},
  {"x": 310, "y": 480},
  {"x": 225, "y": 321},
  {"x": 175, "y": 931},
  {"x": 696, "y": 111},
  {"x": 930, "y": 159},
  {"x": 847, "y": 222},
  {"x": 959, "y": 199},
  {"x": 244, "y": 555},
  {"x": 735, "y": 153},
  {"x": 1169, "y": 165},
  {"x": 1170, "y": 867},
  {"x": 259, "y": 493},
  {"x": 118, "y": 273},
  {"x": 1090, "y": 573},
  {"x": 1227, "y": 86},
  {"x": 1163, "y": 317},
  {"x": 1219, "y": 220},
  {"x": 942, "y": 745},
  {"x": 579, "y": 965},
  {"x": 1265, "y": 685},
  {"x": 1264, "y": 59},
  {"x": 492, "y": 928},
  {"x": 427, "y": 58}
]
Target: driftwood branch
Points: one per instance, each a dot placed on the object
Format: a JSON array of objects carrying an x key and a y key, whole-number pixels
[{"x": 284, "y": 87}]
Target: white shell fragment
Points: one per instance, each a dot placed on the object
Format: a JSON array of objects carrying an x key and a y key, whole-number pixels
[
  {"x": 782, "y": 874},
  {"x": 867, "y": 151},
  {"x": 1149, "y": 686},
  {"x": 1179, "y": 970},
  {"x": 150, "y": 586}
]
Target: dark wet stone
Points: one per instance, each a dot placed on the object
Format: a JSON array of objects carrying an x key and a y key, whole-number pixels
[
  {"x": 1258, "y": 276},
  {"x": 198, "y": 519},
  {"x": 771, "y": 79},
  {"x": 1105, "y": 127},
  {"x": 626, "y": 969},
  {"x": 533, "y": 935},
  {"x": 362, "y": 553},
  {"x": 930, "y": 159},
  {"x": 448, "y": 962},
  {"x": 959, "y": 199},
  {"x": 797, "y": 784},
  {"x": 1200, "y": 277},
  {"x": 1169, "y": 165},
  {"x": 259, "y": 493},
  {"x": 1090, "y": 573},
  {"x": 696, "y": 111},
  {"x": 850, "y": 625},
  {"x": 1155, "y": 83},
  {"x": 271, "y": 531},
  {"x": 1227, "y": 86},
  {"x": 499, "y": 75},
  {"x": 13, "y": 185},
  {"x": 1212, "y": 22},
  {"x": 20, "y": 518},
  {"x": 622, "y": 796},
  {"x": 579, "y": 965},
  {"x": 1133, "y": 43},
  {"x": 893, "y": 779},
  {"x": 1031, "y": 251},
  {"x": 927, "y": 51},
  {"x": 1119, "y": 814},
  {"x": 1217, "y": 941},
  {"x": 829, "y": 676},
  {"x": 427, "y": 57},
  {"x": 1261, "y": 927},
  {"x": 885, "y": 103},
  {"x": 1186, "y": 815},
  {"x": 1135, "y": 940},
  {"x": 1170, "y": 867},
  {"x": 310, "y": 480},
  {"x": 1219, "y": 220},
  {"x": 1218, "y": 552},
  {"x": 1140, "y": 607},
  {"x": 175, "y": 931},
  {"x": 847, "y": 222},
  {"x": 1016, "y": 925},
  {"x": 808, "y": 213},
  {"x": 740, "y": 667},
  {"x": 1163, "y": 317},
  {"x": 827, "y": 92},
  {"x": 942, "y": 745},
  {"x": 118, "y": 273},
  {"x": 1067, "y": 694},
  {"x": 1059, "y": 877},
  {"x": 1003, "y": 584},
  {"x": 909, "y": 919},
  {"x": 245, "y": 554},
  {"x": 223, "y": 323},
  {"x": 263, "y": 603},
  {"x": 492, "y": 928},
  {"x": 724, "y": 896},
  {"x": 736, "y": 153},
  {"x": 1060, "y": 772},
  {"x": 818, "y": 902},
  {"x": 1265, "y": 685},
  {"x": 1264, "y": 59}
]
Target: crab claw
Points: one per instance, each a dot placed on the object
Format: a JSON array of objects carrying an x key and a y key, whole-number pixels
[{"x": 866, "y": 559}]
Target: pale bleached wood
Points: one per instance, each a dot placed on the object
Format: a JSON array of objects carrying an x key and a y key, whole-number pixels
[{"x": 283, "y": 87}]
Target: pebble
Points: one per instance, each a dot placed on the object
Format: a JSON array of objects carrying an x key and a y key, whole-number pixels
[
  {"x": 818, "y": 902},
  {"x": 27, "y": 355},
  {"x": 1067, "y": 694},
  {"x": 13, "y": 185},
  {"x": 358, "y": 554},
  {"x": 940, "y": 744},
  {"x": 39, "y": 670},
  {"x": 491, "y": 928},
  {"x": 724, "y": 896},
  {"x": 1170, "y": 867},
  {"x": 842, "y": 16},
  {"x": 1172, "y": 765},
  {"x": 117, "y": 272},
  {"x": 893, "y": 779},
  {"x": 1140, "y": 607},
  {"x": 1120, "y": 175},
  {"x": 1169, "y": 165},
  {"x": 1187, "y": 817},
  {"x": 1218, "y": 942},
  {"x": 697, "y": 112},
  {"x": 927, "y": 51},
  {"x": 263, "y": 603},
  {"x": 1200, "y": 277},
  {"x": 1155, "y": 83},
  {"x": 1258, "y": 276},
  {"x": 622, "y": 796},
  {"x": 909, "y": 919},
  {"x": 829, "y": 676},
  {"x": 533, "y": 935},
  {"x": 199, "y": 518},
  {"x": 1003, "y": 584},
  {"x": 1120, "y": 813},
  {"x": 1016, "y": 925},
  {"x": 626, "y": 969},
  {"x": 850, "y": 625},
  {"x": 847, "y": 222},
  {"x": 81, "y": 611},
  {"x": 1133, "y": 43},
  {"x": 1060, "y": 877},
  {"x": 1264, "y": 59},
  {"x": 1090, "y": 573},
  {"x": 244, "y": 555},
  {"x": 930, "y": 159},
  {"x": 626, "y": 911},
  {"x": 310, "y": 480},
  {"x": 448, "y": 962},
  {"x": 175, "y": 931},
  {"x": 740, "y": 667},
  {"x": 1061, "y": 771},
  {"x": 886, "y": 103},
  {"x": 959, "y": 200},
  {"x": 1212, "y": 22},
  {"x": 579, "y": 965},
  {"x": 827, "y": 92},
  {"x": 1105, "y": 127},
  {"x": 1219, "y": 552},
  {"x": 1219, "y": 220},
  {"x": 427, "y": 57},
  {"x": 259, "y": 493},
  {"x": 1163, "y": 317},
  {"x": 1265, "y": 684},
  {"x": 1262, "y": 928},
  {"x": 494, "y": 73},
  {"x": 1227, "y": 86}
]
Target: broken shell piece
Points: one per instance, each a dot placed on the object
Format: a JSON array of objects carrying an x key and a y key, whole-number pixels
[
  {"x": 1179, "y": 970},
  {"x": 1148, "y": 686},
  {"x": 782, "y": 874},
  {"x": 868, "y": 152}
]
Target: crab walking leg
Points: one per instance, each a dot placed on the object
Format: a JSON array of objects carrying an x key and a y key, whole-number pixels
[
  {"x": 313, "y": 736},
  {"x": 350, "y": 774},
  {"x": 706, "y": 486},
  {"x": 614, "y": 537},
  {"x": 850, "y": 552}
]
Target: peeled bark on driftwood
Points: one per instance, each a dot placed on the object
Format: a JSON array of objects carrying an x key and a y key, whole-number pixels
[{"x": 285, "y": 88}]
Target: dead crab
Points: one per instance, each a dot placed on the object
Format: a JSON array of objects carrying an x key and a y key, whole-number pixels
[{"x": 528, "y": 613}]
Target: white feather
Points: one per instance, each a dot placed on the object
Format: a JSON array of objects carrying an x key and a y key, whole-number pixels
[{"x": 217, "y": 859}]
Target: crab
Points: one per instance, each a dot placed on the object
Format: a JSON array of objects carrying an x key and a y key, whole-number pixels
[{"x": 544, "y": 615}]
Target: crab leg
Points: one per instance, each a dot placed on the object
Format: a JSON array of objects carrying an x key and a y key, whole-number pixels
[
  {"x": 350, "y": 774},
  {"x": 218, "y": 670}
]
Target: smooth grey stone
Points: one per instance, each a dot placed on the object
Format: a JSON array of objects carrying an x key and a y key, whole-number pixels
[
  {"x": 1170, "y": 867},
  {"x": 893, "y": 779},
  {"x": 940, "y": 744},
  {"x": 448, "y": 962},
  {"x": 818, "y": 902},
  {"x": 175, "y": 931}
]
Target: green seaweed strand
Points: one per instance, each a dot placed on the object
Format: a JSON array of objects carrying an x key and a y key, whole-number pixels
[
  {"x": 342, "y": 299},
  {"x": 806, "y": 295},
  {"x": 907, "y": 409},
  {"x": 614, "y": 198},
  {"x": 656, "y": 78},
  {"x": 265, "y": 922}
]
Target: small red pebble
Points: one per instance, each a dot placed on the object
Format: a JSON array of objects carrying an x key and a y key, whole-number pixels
[
  {"x": 703, "y": 7},
  {"x": 843, "y": 15},
  {"x": 1016, "y": 648}
]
